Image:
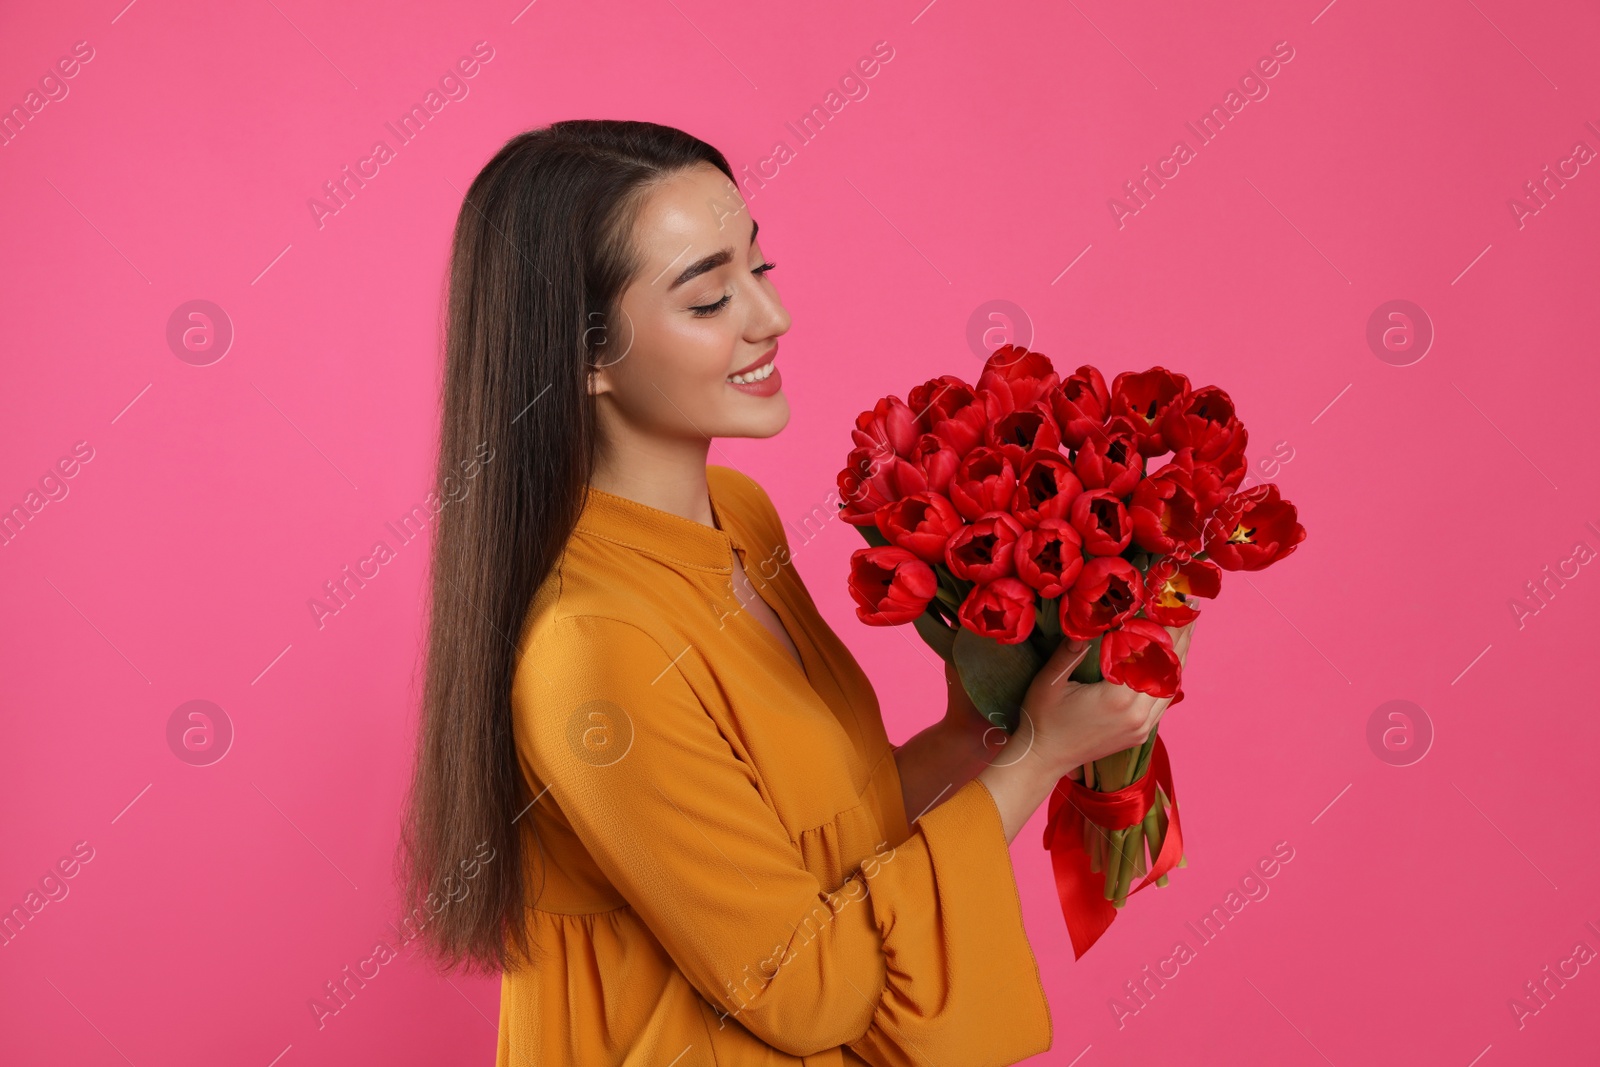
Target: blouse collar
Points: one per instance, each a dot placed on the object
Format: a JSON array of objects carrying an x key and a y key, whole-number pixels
[{"x": 660, "y": 533}]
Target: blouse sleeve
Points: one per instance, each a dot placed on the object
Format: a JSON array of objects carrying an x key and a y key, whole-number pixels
[{"x": 920, "y": 955}]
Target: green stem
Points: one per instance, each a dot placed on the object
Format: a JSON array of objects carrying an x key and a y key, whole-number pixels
[
  {"x": 1146, "y": 834},
  {"x": 1113, "y": 864},
  {"x": 1161, "y": 828},
  {"x": 1043, "y": 644},
  {"x": 1133, "y": 847},
  {"x": 1049, "y": 617},
  {"x": 1111, "y": 774},
  {"x": 1143, "y": 765},
  {"x": 1131, "y": 839},
  {"x": 1152, "y": 832},
  {"x": 1088, "y": 671}
]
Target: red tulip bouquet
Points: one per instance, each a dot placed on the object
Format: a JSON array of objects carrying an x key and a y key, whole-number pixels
[{"x": 1005, "y": 517}]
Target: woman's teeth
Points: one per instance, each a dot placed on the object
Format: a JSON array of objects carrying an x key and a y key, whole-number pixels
[{"x": 756, "y": 375}]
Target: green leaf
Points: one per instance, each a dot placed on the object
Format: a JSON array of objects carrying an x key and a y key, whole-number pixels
[
  {"x": 995, "y": 676},
  {"x": 939, "y": 636},
  {"x": 873, "y": 535},
  {"x": 1043, "y": 643},
  {"x": 1049, "y": 616}
]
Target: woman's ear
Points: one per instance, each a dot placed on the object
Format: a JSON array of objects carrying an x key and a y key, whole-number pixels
[{"x": 605, "y": 348}]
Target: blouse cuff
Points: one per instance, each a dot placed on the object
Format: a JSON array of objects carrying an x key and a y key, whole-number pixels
[{"x": 962, "y": 983}]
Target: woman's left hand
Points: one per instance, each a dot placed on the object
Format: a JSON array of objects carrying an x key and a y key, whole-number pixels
[{"x": 960, "y": 711}]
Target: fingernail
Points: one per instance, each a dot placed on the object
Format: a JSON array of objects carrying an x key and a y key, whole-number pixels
[{"x": 1075, "y": 646}]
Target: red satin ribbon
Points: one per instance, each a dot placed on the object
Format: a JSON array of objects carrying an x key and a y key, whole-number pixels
[{"x": 1082, "y": 892}]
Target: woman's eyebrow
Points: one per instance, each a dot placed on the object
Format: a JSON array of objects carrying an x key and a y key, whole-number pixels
[{"x": 711, "y": 262}]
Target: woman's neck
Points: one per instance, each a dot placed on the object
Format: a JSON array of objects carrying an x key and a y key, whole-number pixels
[{"x": 659, "y": 473}]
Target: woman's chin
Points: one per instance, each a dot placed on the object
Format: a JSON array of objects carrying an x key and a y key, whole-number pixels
[{"x": 766, "y": 418}]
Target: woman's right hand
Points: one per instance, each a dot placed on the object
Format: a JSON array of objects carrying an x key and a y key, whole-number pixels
[
  {"x": 1073, "y": 723},
  {"x": 1066, "y": 724}
]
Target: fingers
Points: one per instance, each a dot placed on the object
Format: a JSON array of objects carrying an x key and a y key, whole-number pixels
[
  {"x": 1180, "y": 639},
  {"x": 1071, "y": 649},
  {"x": 1158, "y": 709},
  {"x": 1180, "y": 643},
  {"x": 1132, "y": 711},
  {"x": 1148, "y": 714}
]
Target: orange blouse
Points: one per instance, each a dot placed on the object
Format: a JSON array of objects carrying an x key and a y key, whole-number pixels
[{"x": 724, "y": 872}]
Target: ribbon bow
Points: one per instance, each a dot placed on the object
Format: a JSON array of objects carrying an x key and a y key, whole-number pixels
[{"x": 1083, "y": 904}]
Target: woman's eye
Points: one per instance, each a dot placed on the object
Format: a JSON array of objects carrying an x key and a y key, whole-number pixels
[
  {"x": 711, "y": 309},
  {"x": 703, "y": 310}
]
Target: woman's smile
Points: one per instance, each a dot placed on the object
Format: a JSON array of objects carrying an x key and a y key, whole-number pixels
[{"x": 760, "y": 378}]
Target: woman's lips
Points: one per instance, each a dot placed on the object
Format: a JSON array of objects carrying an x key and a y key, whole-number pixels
[
  {"x": 766, "y": 386},
  {"x": 771, "y": 354}
]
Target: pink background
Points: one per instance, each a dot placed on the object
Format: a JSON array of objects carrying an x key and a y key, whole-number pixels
[{"x": 978, "y": 167}]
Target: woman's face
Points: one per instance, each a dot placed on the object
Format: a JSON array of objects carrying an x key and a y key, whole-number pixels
[{"x": 701, "y": 311}]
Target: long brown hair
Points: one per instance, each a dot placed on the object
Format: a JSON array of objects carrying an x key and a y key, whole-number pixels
[{"x": 540, "y": 257}]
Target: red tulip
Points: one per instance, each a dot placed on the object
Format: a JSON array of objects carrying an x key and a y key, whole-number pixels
[
  {"x": 1143, "y": 399},
  {"x": 1232, "y": 462},
  {"x": 1205, "y": 480},
  {"x": 1172, "y": 585},
  {"x": 921, "y": 524},
  {"x": 1081, "y": 405},
  {"x": 862, "y": 497},
  {"x": 1014, "y": 378},
  {"x": 1204, "y": 421},
  {"x": 1004, "y": 609},
  {"x": 1110, "y": 460},
  {"x": 1165, "y": 513},
  {"x": 1049, "y": 557},
  {"x": 1253, "y": 530},
  {"x": 1139, "y": 655},
  {"x": 948, "y": 408},
  {"x": 937, "y": 461},
  {"x": 984, "y": 482},
  {"x": 981, "y": 552},
  {"x": 889, "y": 425},
  {"x": 875, "y": 477},
  {"x": 1103, "y": 522},
  {"x": 1109, "y": 589},
  {"x": 1023, "y": 431},
  {"x": 890, "y": 585},
  {"x": 1046, "y": 487},
  {"x": 939, "y": 398}
]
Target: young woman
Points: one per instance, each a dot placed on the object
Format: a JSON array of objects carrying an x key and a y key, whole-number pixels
[{"x": 653, "y": 788}]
